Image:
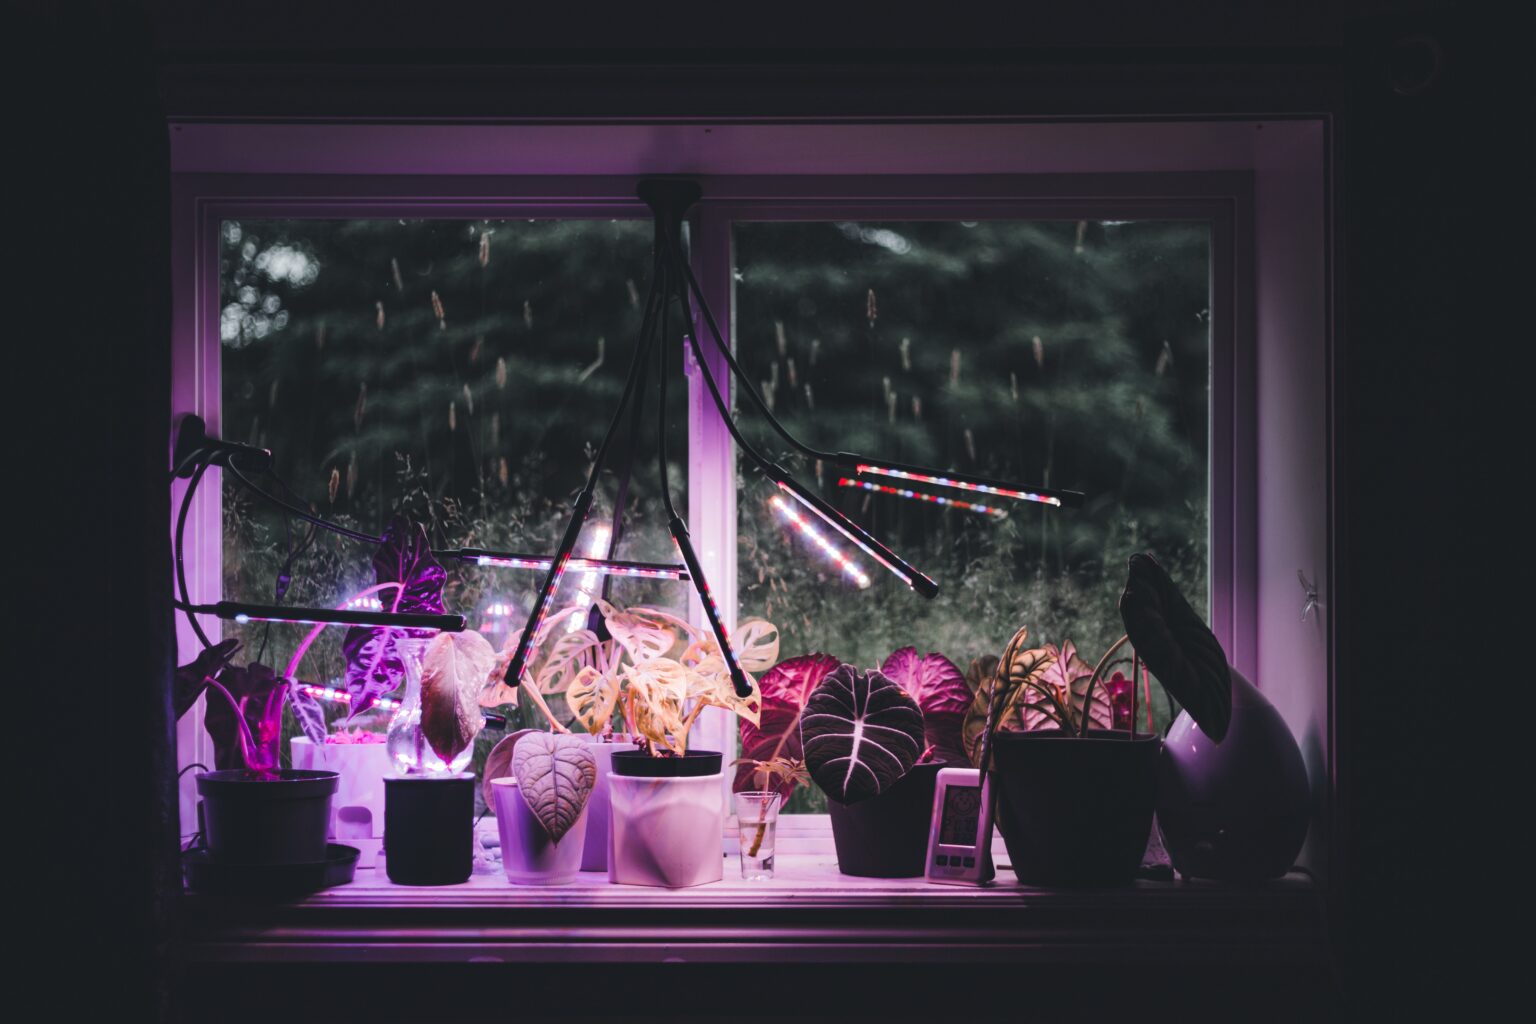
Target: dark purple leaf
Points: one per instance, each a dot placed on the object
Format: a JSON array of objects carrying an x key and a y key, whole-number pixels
[
  {"x": 939, "y": 687},
  {"x": 785, "y": 689},
  {"x": 259, "y": 693},
  {"x": 373, "y": 666},
  {"x": 1177, "y": 645},
  {"x": 860, "y": 732},
  {"x": 192, "y": 680},
  {"x": 310, "y": 715}
]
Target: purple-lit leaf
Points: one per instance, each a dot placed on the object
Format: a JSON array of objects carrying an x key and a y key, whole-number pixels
[
  {"x": 374, "y": 667},
  {"x": 191, "y": 680},
  {"x": 310, "y": 715},
  {"x": 939, "y": 688},
  {"x": 259, "y": 693},
  {"x": 784, "y": 690},
  {"x": 860, "y": 733}
]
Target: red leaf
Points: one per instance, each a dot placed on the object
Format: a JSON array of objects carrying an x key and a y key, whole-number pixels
[
  {"x": 784, "y": 688},
  {"x": 939, "y": 687}
]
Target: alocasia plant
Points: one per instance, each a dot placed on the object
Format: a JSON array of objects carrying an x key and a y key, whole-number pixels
[
  {"x": 374, "y": 667},
  {"x": 861, "y": 733}
]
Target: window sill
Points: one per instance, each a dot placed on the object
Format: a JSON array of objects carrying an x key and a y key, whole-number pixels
[{"x": 808, "y": 913}]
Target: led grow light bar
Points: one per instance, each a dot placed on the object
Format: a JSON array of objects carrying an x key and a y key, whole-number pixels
[
  {"x": 541, "y": 563},
  {"x": 343, "y": 697},
  {"x": 961, "y": 482},
  {"x": 800, "y": 523},
  {"x": 240, "y": 612},
  {"x": 856, "y": 533},
  {"x": 937, "y": 499}
]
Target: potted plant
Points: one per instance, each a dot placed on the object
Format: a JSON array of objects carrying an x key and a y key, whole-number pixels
[
  {"x": 543, "y": 807},
  {"x": 873, "y": 741},
  {"x": 254, "y": 814},
  {"x": 1074, "y": 794},
  {"x": 657, "y": 673}
]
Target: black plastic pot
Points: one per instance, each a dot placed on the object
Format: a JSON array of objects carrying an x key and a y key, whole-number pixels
[
  {"x": 886, "y": 836},
  {"x": 1075, "y": 811},
  {"x": 429, "y": 829},
  {"x": 637, "y": 764},
  {"x": 250, "y": 819}
]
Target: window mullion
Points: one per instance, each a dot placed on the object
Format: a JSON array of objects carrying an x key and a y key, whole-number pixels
[{"x": 712, "y": 459}]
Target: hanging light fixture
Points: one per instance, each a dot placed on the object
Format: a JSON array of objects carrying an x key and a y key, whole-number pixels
[{"x": 673, "y": 283}]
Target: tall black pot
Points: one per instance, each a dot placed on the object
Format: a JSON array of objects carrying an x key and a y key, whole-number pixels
[
  {"x": 429, "y": 829},
  {"x": 256, "y": 820},
  {"x": 886, "y": 836},
  {"x": 1075, "y": 810}
]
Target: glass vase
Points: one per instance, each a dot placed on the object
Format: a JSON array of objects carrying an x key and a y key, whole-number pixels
[
  {"x": 757, "y": 825},
  {"x": 409, "y": 751}
]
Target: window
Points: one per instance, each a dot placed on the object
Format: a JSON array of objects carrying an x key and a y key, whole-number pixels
[
  {"x": 456, "y": 370},
  {"x": 459, "y": 364},
  {"x": 1069, "y": 354}
]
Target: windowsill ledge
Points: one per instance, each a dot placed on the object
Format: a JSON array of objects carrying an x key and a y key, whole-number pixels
[{"x": 808, "y": 912}]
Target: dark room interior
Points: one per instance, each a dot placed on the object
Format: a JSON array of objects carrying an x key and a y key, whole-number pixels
[{"x": 584, "y": 513}]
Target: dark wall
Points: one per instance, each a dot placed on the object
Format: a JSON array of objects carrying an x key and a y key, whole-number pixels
[{"x": 1433, "y": 209}]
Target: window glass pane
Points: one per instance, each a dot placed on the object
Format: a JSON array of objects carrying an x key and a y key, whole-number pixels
[
  {"x": 1058, "y": 353},
  {"x": 459, "y": 371}
]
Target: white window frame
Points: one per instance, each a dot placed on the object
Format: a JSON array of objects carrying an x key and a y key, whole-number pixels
[{"x": 1224, "y": 199}]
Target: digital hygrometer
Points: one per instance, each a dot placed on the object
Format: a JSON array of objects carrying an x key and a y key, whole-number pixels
[{"x": 960, "y": 834}]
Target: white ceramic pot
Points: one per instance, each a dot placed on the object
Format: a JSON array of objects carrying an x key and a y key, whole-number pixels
[
  {"x": 528, "y": 856},
  {"x": 357, "y": 809},
  {"x": 666, "y": 831},
  {"x": 595, "y": 855},
  {"x": 1238, "y": 810}
]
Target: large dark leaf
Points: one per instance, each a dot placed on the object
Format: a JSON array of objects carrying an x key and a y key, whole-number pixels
[
  {"x": 938, "y": 686},
  {"x": 374, "y": 667},
  {"x": 1177, "y": 645},
  {"x": 785, "y": 689},
  {"x": 860, "y": 733},
  {"x": 192, "y": 680}
]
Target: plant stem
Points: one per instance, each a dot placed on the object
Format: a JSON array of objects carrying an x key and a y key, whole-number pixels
[
  {"x": 1082, "y": 729},
  {"x": 1135, "y": 673}
]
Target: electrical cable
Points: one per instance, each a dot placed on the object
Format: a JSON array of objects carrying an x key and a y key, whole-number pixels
[
  {"x": 181, "y": 567},
  {"x": 514, "y": 672},
  {"x": 293, "y": 509},
  {"x": 860, "y": 463}
]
